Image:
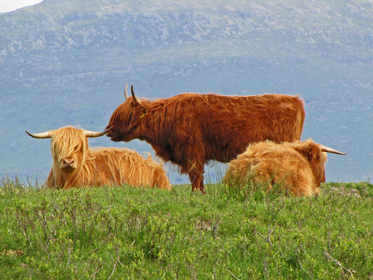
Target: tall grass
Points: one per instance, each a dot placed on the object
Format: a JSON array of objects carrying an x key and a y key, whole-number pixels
[{"x": 135, "y": 233}]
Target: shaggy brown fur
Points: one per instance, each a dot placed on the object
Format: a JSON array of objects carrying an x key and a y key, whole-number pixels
[
  {"x": 298, "y": 166},
  {"x": 76, "y": 165},
  {"x": 190, "y": 129}
]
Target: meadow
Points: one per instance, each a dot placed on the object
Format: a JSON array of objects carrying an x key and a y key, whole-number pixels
[{"x": 230, "y": 233}]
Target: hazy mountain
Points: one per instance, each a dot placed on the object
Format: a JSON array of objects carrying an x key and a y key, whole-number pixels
[{"x": 66, "y": 62}]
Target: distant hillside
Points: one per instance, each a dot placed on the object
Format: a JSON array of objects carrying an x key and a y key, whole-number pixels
[{"x": 66, "y": 62}]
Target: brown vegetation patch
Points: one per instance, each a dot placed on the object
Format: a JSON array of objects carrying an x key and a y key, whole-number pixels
[{"x": 11, "y": 252}]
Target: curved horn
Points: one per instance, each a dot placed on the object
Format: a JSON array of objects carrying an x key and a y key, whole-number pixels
[
  {"x": 41, "y": 135},
  {"x": 133, "y": 96},
  {"x": 89, "y": 133},
  {"x": 125, "y": 92},
  {"x": 330, "y": 150}
]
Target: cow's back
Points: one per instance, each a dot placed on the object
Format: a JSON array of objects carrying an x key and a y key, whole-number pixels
[
  {"x": 118, "y": 166},
  {"x": 227, "y": 124}
]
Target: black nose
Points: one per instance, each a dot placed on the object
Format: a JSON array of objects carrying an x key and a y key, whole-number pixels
[{"x": 115, "y": 137}]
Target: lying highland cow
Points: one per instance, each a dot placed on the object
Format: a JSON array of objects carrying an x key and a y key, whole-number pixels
[
  {"x": 75, "y": 164},
  {"x": 191, "y": 129},
  {"x": 298, "y": 166}
]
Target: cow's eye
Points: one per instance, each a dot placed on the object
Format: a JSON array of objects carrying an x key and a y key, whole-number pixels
[
  {"x": 129, "y": 117},
  {"x": 76, "y": 148}
]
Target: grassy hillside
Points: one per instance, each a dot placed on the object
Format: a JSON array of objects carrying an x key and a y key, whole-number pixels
[{"x": 132, "y": 233}]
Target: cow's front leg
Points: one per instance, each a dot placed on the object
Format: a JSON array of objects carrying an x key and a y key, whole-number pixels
[
  {"x": 197, "y": 181},
  {"x": 195, "y": 172}
]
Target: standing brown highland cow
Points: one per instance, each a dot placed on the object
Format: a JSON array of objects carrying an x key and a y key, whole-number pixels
[{"x": 191, "y": 129}]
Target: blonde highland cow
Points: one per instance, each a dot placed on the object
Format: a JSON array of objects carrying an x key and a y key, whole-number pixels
[
  {"x": 299, "y": 166},
  {"x": 77, "y": 165}
]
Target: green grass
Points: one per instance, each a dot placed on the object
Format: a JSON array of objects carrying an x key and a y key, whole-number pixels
[{"x": 132, "y": 233}]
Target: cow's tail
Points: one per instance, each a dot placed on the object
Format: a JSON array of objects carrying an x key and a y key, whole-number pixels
[{"x": 301, "y": 115}]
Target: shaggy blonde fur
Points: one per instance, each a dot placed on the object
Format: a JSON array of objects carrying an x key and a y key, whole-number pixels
[
  {"x": 299, "y": 167},
  {"x": 99, "y": 166}
]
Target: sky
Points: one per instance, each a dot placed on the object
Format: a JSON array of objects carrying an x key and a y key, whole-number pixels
[{"x": 11, "y": 5}]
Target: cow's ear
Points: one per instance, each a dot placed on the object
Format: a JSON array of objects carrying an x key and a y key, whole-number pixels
[
  {"x": 310, "y": 151},
  {"x": 137, "y": 106}
]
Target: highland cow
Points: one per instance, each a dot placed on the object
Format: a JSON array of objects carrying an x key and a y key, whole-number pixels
[
  {"x": 76, "y": 165},
  {"x": 299, "y": 167},
  {"x": 191, "y": 129}
]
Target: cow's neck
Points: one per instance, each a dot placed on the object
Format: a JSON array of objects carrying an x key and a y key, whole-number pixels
[{"x": 155, "y": 135}]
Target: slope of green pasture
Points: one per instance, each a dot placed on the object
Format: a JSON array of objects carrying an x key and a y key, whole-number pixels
[{"x": 135, "y": 233}]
